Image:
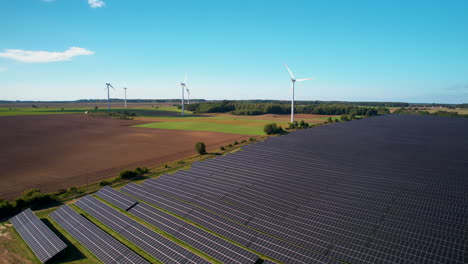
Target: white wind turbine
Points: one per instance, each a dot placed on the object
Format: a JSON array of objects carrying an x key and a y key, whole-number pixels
[
  {"x": 125, "y": 90},
  {"x": 188, "y": 94},
  {"x": 184, "y": 86},
  {"x": 293, "y": 80},
  {"x": 108, "y": 95}
]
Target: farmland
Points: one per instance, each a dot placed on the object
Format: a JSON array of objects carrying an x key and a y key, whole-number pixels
[{"x": 53, "y": 152}]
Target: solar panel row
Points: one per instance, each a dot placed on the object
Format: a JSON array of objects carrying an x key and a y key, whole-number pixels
[
  {"x": 387, "y": 189},
  {"x": 115, "y": 197},
  {"x": 102, "y": 245},
  {"x": 153, "y": 243},
  {"x": 206, "y": 242},
  {"x": 283, "y": 251},
  {"x": 42, "y": 241}
]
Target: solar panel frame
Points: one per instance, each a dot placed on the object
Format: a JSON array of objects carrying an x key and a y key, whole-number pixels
[
  {"x": 148, "y": 240},
  {"x": 117, "y": 198},
  {"x": 41, "y": 240},
  {"x": 102, "y": 245}
]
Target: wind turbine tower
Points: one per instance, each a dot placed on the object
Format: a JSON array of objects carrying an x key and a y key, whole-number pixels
[
  {"x": 125, "y": 91},
  {"x": 108, "y": 95},
  {"x": 293, "y": 80},
  {"x": 188, "y": 94},
  {"x": 184, "y": 87}
]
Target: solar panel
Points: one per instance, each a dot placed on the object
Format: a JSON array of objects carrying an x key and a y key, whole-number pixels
[
  {"x": 268, "y": 262},
  {"x": 43, "y": 242},
  {"x": 383, "y": 189},
  {"x": 99, "y": 243},
  {"x": 117, "y": 198},
  {"x": 158, "y": 199},
  {"x": 212, "y": 245},
  {"x": 153, "y": 243}
]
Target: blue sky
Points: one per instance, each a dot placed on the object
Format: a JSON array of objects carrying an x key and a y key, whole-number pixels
[{"x": 414, "y": 51}]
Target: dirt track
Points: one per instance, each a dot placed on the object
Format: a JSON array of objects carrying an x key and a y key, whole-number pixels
[{"x": 51, "y": 152}]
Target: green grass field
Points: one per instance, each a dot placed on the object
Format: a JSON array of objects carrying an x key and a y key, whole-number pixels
[
  {"x": 207, "y": 126},
  {"x": 17, "y": 111},
  {"x": 38, "y": 111}
]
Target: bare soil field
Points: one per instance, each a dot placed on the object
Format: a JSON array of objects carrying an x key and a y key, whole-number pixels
[{"x": 53, "y": 152}]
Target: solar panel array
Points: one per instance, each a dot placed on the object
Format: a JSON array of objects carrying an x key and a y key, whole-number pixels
[
  {"x": 42, "y": 241},
  {"x": 200, "y": 239},
  {"x": 153, "y": 243},
  {"x": 388, "y": 189},
  {"x": 102, "y": 245},
  {"x": 117, "y": 198}
]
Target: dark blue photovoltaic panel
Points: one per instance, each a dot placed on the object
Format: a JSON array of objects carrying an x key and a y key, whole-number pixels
[
  {"x": 43, "y": 242},
  {"x": 117, "y": 198},
  {"x": 378, "y": 190},
  {"x": 99, "y": 243},
  {"x": 153, "y": 243}
]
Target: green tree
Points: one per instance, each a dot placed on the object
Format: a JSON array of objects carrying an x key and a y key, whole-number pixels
[
  {"x": 200, "y": 148},
  {"x": 272, "y": 128},
  {"x": 127, "y": 174}
]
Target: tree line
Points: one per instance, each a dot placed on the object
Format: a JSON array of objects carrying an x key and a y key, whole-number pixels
[
  {"x": 405, "y": 111},
  {"x": 242, "y": 108}
]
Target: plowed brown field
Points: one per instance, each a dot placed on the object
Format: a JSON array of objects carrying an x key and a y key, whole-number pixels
[{"x": 53, "y": 152}]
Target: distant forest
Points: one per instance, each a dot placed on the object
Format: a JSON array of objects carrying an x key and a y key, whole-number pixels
[
  {"x": 412, "y": 111},
  {"x": 255, "y": 101},
  {"x": 247, "y": 108}
]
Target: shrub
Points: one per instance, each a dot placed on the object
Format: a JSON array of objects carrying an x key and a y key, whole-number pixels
[
  {"x": 222, "y": 148},
  {"x": 6, "y": 209},
  {"x": 243, "y": 141},
  {"x": 200, "y": 148},
  {"x": 104, "y": 183},
  {"x": 252, "y": 139},
  {"x": 236, "y": 143},
  {"x": 230, "y": 145},
  {"x": 127, "y": 174},
  {"x": 272, "y": 128},
  {"x": 30, "y": 192},
  {"x": 329, "y": 120},
  {"x": 166, "y": 166},
  {"x": 141, "y": 171},
  {"x": 33, "y": 199}
]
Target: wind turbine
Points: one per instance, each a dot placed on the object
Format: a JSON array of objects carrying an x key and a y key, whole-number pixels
[
  {"x": 182, "y": 84},
  {"x": 108, "y": 95},
  {"x": 293, "y": 80},
  {"x": 188, "y": 94},
  {"x": 125, "y": 90}
]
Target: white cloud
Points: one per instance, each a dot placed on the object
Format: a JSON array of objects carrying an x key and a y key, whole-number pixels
[
  {"x": 44, "y": 56},
  {"x": 96, "y": 3}
]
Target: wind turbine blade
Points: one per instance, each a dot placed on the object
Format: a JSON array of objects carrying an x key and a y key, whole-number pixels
[
  {"x": 305, "y": 79},
  {"x": 290, "y": 72},
  {"x": 186, "y": 78}
]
